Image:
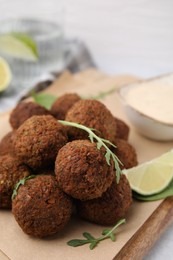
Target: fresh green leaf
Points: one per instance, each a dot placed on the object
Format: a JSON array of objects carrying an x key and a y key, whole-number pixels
[
  {"x": 112, "y": 237},
  {"x": 88, "y": 236},
  {"x": 99, "y": 145},
  {"x": 21, "y": 182},
  {"x": 93, "y": 245},
  {"x": 77, "y": 242},
  {"x": 108, "y": 155},
  {"x": 107, "y": 233},
  {"x": 91, "y": 138},
  {"x": 43, "y": 99},
  {"x": 162, "y": 195},
  {"x": 102, "y": 94},
  {"x": 108, "y": 142}
]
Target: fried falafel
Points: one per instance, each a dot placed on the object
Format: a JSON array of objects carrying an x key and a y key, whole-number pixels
[
  {"x": 41, "y": 208},
  {"x": 63, "y": 104},
  {"x": 93, "y": 114},
  {"x": 11, "y": 171},
  {"x": 110, "y": 207},
  {"x": 122, "y": 130},
  {"x": 38, "y": 140},
  {"x": 126, "y": 153},
  {"x": 82, "y": 171},
  {"x": 25, "y": 110},
  {"x": 6, "y": 143}
]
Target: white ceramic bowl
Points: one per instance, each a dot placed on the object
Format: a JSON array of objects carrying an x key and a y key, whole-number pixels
[{"x": 145, "y": 124}]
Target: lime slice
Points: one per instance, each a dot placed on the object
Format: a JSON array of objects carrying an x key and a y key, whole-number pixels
[
  {"x": 151, "y": 177},
  {"x": 19, "y": 45},
  {"x": 5, "y": 74}
]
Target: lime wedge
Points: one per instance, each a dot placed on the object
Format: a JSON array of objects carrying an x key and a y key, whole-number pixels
[
  {"x": 151, "y": 177},
  {"x": 5, "y": 74},
  {"x": 19, "y": 45}
]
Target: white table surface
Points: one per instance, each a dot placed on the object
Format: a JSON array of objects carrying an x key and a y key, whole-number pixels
[{"x": 128, "y": 36}]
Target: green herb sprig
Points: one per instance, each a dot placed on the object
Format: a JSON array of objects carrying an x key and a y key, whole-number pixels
[
  {"x": 106, "y": 233},
  {"x": 21, "y": 182},
  {"x": 100, "y": 143},
  {"x": 102, "y": 94}
]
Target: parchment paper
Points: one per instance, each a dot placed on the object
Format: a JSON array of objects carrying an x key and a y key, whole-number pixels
[{"x": 16, "y": 245}]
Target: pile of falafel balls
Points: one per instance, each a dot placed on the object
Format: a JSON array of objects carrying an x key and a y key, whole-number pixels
[{"x": 68, "y": 173}]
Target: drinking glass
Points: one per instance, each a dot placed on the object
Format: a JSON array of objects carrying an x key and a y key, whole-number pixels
[{"x": 43, "y": 22}]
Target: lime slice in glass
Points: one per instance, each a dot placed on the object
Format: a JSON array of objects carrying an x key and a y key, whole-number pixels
[
  {"x": 5, "y": 74},
  {"x": 151, "y": 177},
  {"x": 19, "y": 45}
]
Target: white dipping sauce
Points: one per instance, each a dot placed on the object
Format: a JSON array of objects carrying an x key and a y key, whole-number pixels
[{"x": 153, "y": 98}]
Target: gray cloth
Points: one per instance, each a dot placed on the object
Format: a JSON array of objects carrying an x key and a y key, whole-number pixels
[{"x": 77, "y": 58}]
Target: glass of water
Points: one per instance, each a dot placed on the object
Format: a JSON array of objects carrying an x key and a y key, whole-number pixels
[{"x": 43, "y": 22}]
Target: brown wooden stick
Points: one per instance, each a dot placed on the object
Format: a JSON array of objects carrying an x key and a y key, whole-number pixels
[{"x": 148, "y": 234}]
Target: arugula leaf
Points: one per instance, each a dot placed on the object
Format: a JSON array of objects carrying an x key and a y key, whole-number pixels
[
  {"x": 108, "y": 156},
  {"x": 93, "y": 244},
  {"x": 77, "y": 242},
  {"x": 99, "y": 145},
  {"x": 88, "y": 235},
  {"x": 102, "y": 94},
  {"x": 21, "y": 182},
  {"x": 107, "y": 233}
]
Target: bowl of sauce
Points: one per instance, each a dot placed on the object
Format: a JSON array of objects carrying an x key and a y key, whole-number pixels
[{"x": 149, "y": 107}]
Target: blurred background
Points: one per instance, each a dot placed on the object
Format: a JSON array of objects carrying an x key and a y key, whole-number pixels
[
  {"x": 125, "y": 36},
  {"x": 134, "y": 37}
]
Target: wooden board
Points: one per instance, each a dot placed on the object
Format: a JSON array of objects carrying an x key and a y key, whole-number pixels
[{"x": 145, "y": 221}]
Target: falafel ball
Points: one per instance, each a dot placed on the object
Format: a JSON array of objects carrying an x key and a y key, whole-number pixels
[
  {"x": 126, "y": 154},
  {"x": 94, "y": 114},
  {"x": 38, "y": 140},
  {"x": 110, "y": 207},
  {"x": 123, "y": 129},
  {"x": 40, "y": 207},
  {"x": 63, "y": 104},
  {"x": 25, "y": 110},
  {"x": 6, "y": 143},
  {"x": 11, "y": 171},
  {"x": 82, "y": 171}
]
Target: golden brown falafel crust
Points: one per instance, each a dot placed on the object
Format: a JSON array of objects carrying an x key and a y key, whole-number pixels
[
  {"x": 11, "y": 171},
  {"x": 123, "y": 129},
  {"x": 110, "y": 207},
  {"x": 82, "y": 171},
  {"x": 41, "y": 208},
  {"x": 94, "y": 114},
  {"x": 6, "y": 144},
  {"x": 126, "y": 154},
  {"x": 25, "y": 110},
  {"x": 38, "y": 140},
  {"x": 63, "y": 104}
]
